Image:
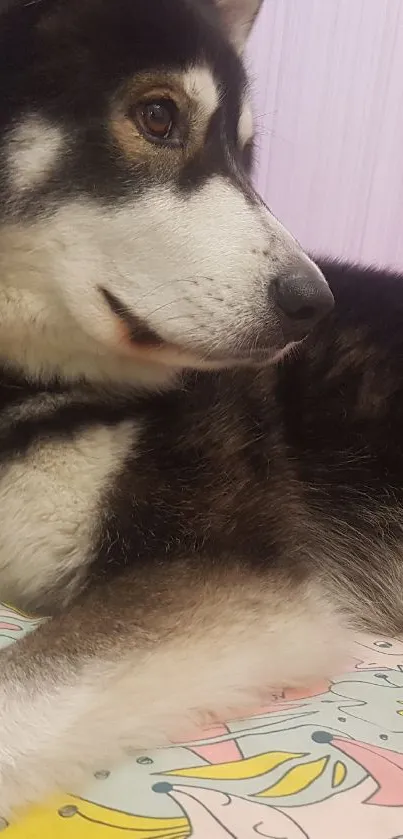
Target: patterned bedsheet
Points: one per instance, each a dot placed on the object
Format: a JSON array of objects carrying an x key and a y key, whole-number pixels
[{"x": 325, "y": 763}]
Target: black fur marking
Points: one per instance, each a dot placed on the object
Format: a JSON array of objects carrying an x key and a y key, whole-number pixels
[{"x": 79, "y": 55}]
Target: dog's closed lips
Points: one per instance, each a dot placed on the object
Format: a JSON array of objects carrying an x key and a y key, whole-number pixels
[{"x": 138, "y": 332}]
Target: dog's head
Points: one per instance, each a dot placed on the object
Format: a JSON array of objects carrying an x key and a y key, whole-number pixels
[{"x": 129, "y": 229}]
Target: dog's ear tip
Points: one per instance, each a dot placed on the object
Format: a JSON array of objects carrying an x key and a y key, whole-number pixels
[{"x": 238, "y": 17}]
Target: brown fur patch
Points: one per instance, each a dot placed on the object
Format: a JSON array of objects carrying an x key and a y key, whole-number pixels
[{"x": 192, "y": 112}]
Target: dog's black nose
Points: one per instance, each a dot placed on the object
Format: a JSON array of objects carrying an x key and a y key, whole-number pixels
[{"x": 302, "y": 297}]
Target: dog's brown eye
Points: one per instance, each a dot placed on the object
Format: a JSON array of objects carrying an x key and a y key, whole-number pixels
[{"x": 158, "y": 120}]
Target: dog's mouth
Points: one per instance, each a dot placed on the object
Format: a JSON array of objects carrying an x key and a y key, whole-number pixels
[
  {"x": 138, "y": 331},
  {"x": 140, "y": 338}
]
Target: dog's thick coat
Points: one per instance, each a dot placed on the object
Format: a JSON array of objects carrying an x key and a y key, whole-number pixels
[{"x": 232, "y": 525}]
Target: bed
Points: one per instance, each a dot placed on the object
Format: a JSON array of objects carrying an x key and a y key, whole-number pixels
[{"x": 322, "y": 763}]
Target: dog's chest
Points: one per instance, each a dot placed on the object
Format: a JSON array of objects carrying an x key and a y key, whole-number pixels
[{"x": 51, "y": 504}]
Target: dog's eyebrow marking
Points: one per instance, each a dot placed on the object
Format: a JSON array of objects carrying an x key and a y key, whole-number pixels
[
  {"x": 34, "y": 147},
  {"x": 245, "y": 123},
  {"x": 199, "y": 84}
]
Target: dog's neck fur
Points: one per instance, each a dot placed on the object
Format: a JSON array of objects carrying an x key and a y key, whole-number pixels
[{"x": 44, "y": 343}]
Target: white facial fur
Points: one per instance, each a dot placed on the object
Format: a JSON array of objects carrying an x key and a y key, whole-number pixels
[
  {"x": 245, "y": 124},
  {"x": 196, "y": 268},
  {"x": 200, "y": 86},
  {"x": 34, "y": 147}
]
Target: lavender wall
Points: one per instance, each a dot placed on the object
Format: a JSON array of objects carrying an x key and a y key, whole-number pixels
[{"x": 327, "y": 77}]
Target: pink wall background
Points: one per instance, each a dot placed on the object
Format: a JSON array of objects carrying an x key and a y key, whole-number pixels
[{"x": 327, "y": 78}]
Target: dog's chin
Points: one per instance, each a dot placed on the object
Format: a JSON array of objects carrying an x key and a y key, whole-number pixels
[
  {"x": 179, "y": 357},
  {"x": 135, "y": 339}
]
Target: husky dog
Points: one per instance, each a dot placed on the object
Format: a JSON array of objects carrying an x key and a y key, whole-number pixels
[{"x": 201, "y": 475}]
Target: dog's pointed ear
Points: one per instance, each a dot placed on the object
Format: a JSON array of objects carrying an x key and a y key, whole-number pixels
[{"x": 238, "y": 17}]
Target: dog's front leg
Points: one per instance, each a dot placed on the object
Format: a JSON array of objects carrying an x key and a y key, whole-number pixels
[
  {"x": 86, "y": 685},
  {"x": 135, "y": 664}
]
